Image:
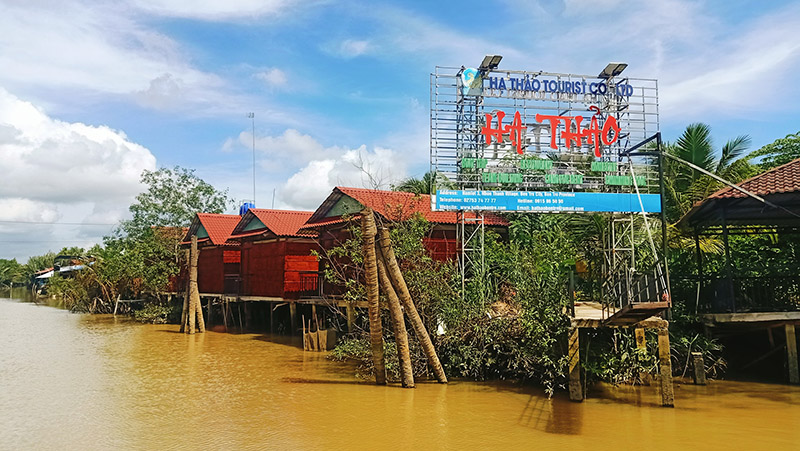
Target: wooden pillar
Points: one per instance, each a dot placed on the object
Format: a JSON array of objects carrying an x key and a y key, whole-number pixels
[
  {"x": 247, "y": 315},
  {"x": 575, "y": 386},
  {"x": 665, "y": 364},
  {"x": 641, "y": 348},
  {"x": 268, "y": 317},
  {"x": 292, "y": 318},
  {"x": 351, "y": 318},
  {"x": 185, "y": 311},
  {"x": 209, "y": 322},
  {"x": 699, "y": 368},
  {"x": 728, "y": 263},
  {"x": 791, "y": 354},
  {"x": 641, "y": 342}
]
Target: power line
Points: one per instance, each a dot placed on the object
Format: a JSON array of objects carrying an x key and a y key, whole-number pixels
[{"x": 60, "y": 223}]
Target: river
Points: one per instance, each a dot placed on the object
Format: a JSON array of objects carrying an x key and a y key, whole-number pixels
[{"x": 70, "y": 381}]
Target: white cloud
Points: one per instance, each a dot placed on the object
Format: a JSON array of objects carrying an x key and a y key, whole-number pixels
[
  {"x": 378, "y": 168},
  {"x": 76, "y": 51},
  {"x": 216, "y": 10},
  {"x": 352, "y": 48},
  {"x": 273, "y": 77},
  {"x": 70, "y": 172}
]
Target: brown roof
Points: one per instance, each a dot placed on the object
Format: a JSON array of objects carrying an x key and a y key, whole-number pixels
[
  {"x": 783, "y": 179},
  {"x": 392, "y": 205},
  {"x": 780, "y": 187},
  {"x": 280, "y": 222}
]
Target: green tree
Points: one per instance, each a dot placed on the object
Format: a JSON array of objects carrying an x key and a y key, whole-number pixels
[
  {"x": 780, "y": 152},
  {"x": 10, "y": 272},
  {"x": 172, "y": 198},
  {"x": 684, "y": 185},
  {"x": 425, "y": 185}
]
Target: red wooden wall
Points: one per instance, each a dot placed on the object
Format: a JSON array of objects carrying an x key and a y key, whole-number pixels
[{"x": 273, "y": 268}]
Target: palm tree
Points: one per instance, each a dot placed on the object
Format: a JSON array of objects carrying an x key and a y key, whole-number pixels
[
  {"x": 684, "y": 185},
  {"x": 425, "y": 185}
]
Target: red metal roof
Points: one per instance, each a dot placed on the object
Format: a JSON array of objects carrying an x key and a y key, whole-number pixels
[
  {"x": 783, "y": 179},
  {"x": 392, "y": 205},
  {"x": 218, "y": 226},
  {"x": 279, "y": 222}
]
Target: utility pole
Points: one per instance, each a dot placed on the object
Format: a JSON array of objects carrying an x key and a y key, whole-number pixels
[{"x": 252, "y": 117}]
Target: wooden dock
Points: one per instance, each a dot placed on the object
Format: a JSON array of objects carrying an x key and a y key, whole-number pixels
[{"x": 592, "y": 315}]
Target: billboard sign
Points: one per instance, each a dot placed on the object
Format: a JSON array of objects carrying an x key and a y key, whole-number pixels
[{"x": 543, "y": 142}]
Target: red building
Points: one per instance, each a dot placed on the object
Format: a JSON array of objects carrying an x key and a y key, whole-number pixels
[
  {"x": 276, "y": 260},
  {"x": 330, "y": 222},
  {"x": 218, "y": 264}
]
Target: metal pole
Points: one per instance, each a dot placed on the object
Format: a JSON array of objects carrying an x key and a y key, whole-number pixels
[
  {"x": 252, "y": 117},
  {"x": 661, "y": 187}
]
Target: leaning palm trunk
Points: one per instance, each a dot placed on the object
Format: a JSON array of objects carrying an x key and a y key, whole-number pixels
[
  {"x": 368, "y": 232},
  {"x": 405, "y": 297},
  {"x": 399, "y": 325}
]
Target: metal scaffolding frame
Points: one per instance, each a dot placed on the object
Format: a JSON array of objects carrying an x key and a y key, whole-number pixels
[{"x": 456, "y": 121}]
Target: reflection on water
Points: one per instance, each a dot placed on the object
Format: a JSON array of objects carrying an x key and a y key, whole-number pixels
[{"x": 99, "y": 382}]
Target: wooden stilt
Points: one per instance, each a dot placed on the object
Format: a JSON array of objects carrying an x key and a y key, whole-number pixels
[
  {"x": 791, "y": 354},
  {"x": 292, "y": 318},
  {"x": 575, "y": 385},
  {"x": 699, "y": 368},
  {"x": 185, "y": 311},
  {"x": 271, "y": 318},
  {"x": 351, "y": 318},
  {"x": 209, "y": 319},
  {"x": 641, "y": 347},
  {"x": 665, "y": 364},
  {"x": 247, "y": 315}
]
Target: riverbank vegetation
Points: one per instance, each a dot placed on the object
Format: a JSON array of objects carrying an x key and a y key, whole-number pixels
[{"x": 508, "y": 321}]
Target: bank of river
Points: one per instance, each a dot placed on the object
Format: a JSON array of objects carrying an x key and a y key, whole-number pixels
[{"x": 95, "y": 382}]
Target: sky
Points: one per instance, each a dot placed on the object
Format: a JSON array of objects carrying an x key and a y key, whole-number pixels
[{"x": 94, "y": 92}]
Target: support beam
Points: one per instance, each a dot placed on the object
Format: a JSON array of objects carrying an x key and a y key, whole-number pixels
[
  {"x": 575, "y": 386},
  {"x": 641, "y": 348},
  {"x": 351, "y": 318},
  {"x": 699, "y": 368},
  {"x": 292, "y": 318},
  {"x": 665, "y": 365},
  {"x": 791, "y": 354}
]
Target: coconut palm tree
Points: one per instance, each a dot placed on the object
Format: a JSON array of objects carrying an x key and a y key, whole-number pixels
[
  {"x": 684, "y": 185},
  {"x": 425, "y": 185}
]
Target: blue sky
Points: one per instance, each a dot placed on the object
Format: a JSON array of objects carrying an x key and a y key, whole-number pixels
[{"x": 92, "y": 93}]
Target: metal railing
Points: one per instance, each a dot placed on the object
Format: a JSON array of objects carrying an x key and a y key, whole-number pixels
[{"x": 711, "y": 294}]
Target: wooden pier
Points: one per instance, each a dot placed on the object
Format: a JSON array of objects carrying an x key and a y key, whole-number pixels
[{"x": 592, "y": 315}]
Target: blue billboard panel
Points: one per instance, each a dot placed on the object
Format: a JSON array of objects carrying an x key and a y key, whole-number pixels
[{"x": 545, "y": 201}]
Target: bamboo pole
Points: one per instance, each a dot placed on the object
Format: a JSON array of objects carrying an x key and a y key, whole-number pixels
[
  {"x": 408, "y": 304},
  {"x": 399, "y": 325},
  {"x": 185, "y": 311},
  {"x": 368, "y": 232},
  {"x": 198, "y": 305}
]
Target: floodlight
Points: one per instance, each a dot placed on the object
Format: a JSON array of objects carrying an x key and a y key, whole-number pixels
[
  {"x": 612, "y": 70},
  {"x": 490, "y": 62}
]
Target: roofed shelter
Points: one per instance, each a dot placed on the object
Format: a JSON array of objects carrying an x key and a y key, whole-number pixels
[
  {"x": 768, "y": 203},
  {"x": 331, "y": 219},
  {"x": 276, "y": 259},
  {"x": 219, "y": 260}
]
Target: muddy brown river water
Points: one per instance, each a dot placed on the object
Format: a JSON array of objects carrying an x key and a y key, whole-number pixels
[{"x": 71, "y": 381}]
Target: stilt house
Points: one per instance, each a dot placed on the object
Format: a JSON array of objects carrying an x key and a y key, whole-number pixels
[
  {"x": 276, "y": 259},
  {"x": 330, "y": 220},
  {"x": 218, "y": 265}
]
